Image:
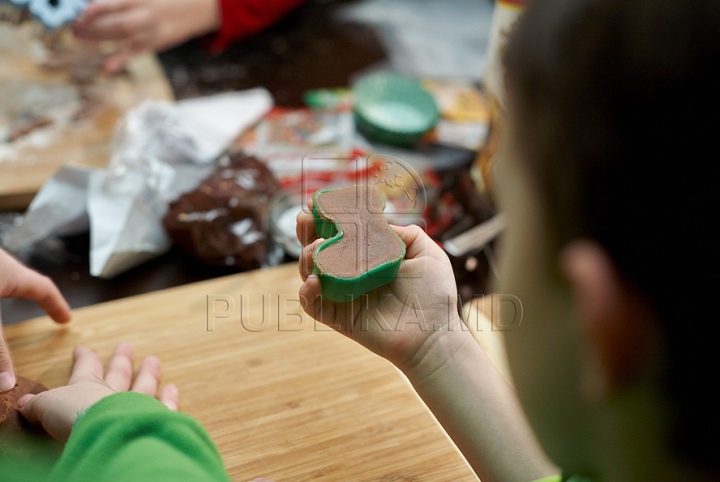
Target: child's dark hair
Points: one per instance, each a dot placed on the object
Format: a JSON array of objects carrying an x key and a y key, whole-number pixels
[{"x": 617, "y": 104}]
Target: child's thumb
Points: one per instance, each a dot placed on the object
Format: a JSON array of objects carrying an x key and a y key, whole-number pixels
[
  {"x": 22, "y": 405},
  {"x": 47, "y": 409},
  {"x": 7, "y": 373}
]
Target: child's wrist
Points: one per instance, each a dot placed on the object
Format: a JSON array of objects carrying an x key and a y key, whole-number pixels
[{"x": 439, "y": 349}]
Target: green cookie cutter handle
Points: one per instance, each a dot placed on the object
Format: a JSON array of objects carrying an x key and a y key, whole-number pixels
[{"x": 341, "y": 290}]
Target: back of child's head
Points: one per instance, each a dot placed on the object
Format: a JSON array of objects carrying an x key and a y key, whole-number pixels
[{"x": 617, "y": 107}]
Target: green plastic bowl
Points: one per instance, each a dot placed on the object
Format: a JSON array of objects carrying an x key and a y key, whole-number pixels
[
  {"x": 341, "y": 290},
  {"x": 393, "y": 109}
]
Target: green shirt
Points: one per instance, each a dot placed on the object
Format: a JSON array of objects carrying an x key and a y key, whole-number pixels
[{"x": 129, "y": 437}]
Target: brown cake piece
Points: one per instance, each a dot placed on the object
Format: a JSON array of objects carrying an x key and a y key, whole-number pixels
[
  {"x": 368, "y": 240},
  {"x": 225, "y": 220},
  {"x": 18, "y": 437},
  {"x": 9, "y": 416}
]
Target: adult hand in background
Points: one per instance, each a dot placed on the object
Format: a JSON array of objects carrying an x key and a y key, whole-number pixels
[
  {"x": 18, "y": 281},
  {"x": 57, "y": 409},
  {"x": 145, "y": 25}
]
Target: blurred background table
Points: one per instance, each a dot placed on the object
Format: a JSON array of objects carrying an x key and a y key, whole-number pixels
[
  {"x": 308, "y": 49},
  {"x": 305, "y": 50},
  {"x": 283, "y": 399},
  {"x": 85, "y": 143}
]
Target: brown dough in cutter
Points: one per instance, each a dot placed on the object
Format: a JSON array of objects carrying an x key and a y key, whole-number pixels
[{"x": 368, "y": 239}]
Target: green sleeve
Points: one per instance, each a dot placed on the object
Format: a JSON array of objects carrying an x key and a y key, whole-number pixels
[{"x": 131, "y": 436}]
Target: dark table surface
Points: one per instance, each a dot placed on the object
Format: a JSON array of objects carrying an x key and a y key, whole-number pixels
[
  {"x": 306, "y": 50},
  {"x": 66, "y": 262}
]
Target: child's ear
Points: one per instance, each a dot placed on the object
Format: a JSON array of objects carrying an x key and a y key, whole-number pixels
[{"x": 613, "y": 319}]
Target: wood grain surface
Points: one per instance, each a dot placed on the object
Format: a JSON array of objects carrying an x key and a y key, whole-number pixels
[{"x": 282, "y": 397}]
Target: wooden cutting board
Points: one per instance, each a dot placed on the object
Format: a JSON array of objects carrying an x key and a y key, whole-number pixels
[
  {"x": 282, "y": 397},
  {"x": 25, "y": 164}
]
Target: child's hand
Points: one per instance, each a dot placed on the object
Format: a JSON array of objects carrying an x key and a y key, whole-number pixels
[
  {"x": 445, "y": 365},
  {"x": 145, "y": 25},
  {"x": 400, "y": 321},
  {"x": 18, "y": 281},
  {"x": 58, "y": 409}
]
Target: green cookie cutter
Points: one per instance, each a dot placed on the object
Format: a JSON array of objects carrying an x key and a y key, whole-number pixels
[{"x": 342, "y": 290}]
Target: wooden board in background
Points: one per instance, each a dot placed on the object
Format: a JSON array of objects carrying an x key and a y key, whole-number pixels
[
  {"x": 85, "y": 143},
  {"x": 294, "y": 405}
]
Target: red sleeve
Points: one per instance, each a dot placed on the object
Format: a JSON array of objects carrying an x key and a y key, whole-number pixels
[{"x": 241, "y": 18}]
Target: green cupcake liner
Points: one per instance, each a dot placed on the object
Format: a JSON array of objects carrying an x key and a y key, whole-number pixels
[{"x": 394, "y": 109}]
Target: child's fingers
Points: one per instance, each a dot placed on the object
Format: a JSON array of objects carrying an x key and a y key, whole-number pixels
[
  {"x": 87, "y": 365},
  {"x": 120, "y": 368},
  {"x": 7, "y": 372},
  {"x": 49, "y": 410},
  {"x": 310, "y": 296},
  {"x": 29, "y": 409},
  {"x": 335, "y": 315},
  {"x": 306, "y": 259},
  {"x": 58, "y": 409},
  {"x": 417, "y": 242},
  {"x": 170, "y": 397},
  {"x": 48, "y": 297},
  {"x": 33, "y": 286},
  {"x": 305, "y": 228},
  {"x": 22, "y": 282},
  {"x": 148, "y": 377}
]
